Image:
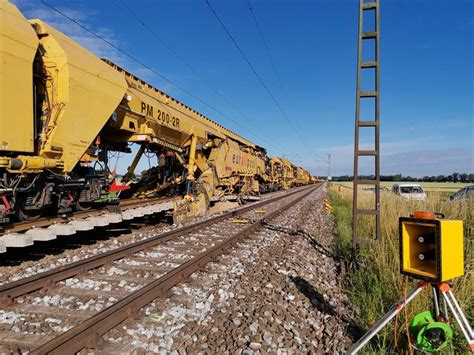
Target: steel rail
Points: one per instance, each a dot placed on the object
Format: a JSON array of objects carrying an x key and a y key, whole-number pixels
[
  {"x": 88, "y": 333},
  {"x": 45, "y": 279},
  {"x": 47, "y": 221}
]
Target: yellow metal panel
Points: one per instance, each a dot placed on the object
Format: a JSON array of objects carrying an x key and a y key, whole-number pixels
[
  {"x": 452, "y": 249},
  {"x": 18, "y": 44},
  {"x": 441, "y": 243},
  {"x": 84, "y": 92},
  {"x": 229, "y": 160},
  {"x": 411, "y": 231},
  {"x": 164, "y": 117}
]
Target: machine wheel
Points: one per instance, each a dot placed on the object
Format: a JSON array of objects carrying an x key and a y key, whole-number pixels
[
  {"x": 29, "y": 215},
  {"x": 83, "y": 206}
]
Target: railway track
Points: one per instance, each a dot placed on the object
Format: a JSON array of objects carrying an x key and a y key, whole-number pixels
[
  {"x": 58, "y": 301},
  {"x": 123, "y": 205},
  {"x": 26, "y": 233}
]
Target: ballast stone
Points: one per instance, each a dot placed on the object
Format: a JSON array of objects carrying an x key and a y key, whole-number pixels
[
  {"x": 41, "y": 234},
  {"x": 17, "y": 240}
]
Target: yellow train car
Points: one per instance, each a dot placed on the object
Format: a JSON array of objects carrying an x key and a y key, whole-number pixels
[
  {"x": 56, "y": 96},
  {"x": 64, "y": 110},
  {"x": 302, "y": 177},
  {"x": 282, "y": 173}
]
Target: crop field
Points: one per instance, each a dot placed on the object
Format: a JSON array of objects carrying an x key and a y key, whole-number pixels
[
  {"x": 376, "y": 283},
  {"x": 446, "y": 187}
]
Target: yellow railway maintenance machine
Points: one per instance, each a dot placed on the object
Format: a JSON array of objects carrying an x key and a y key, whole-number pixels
[{"x": 431, "y": 250}]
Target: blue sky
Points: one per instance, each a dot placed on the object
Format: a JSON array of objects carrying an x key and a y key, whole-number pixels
[{"x": 426, "y": 72}]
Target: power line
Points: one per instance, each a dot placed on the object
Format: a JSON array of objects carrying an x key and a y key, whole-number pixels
[
  {"x": 135, "y": 59},
  {"x": 266, "y": 47},
  {"x": 320, "y": 159},
  {"x": 196, "y": 74},
  {"x": 269, "y": 55},
  {"x": 277, "y": 104},
  {"x": 144, "y": 65},
  {"x": 271, "y": 58},
  {"x": 166, "y": 45},
  {"x": 129, "y": 56}
]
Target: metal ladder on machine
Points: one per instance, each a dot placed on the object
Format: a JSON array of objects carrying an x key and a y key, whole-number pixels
[{"x": 364, "y": 9}]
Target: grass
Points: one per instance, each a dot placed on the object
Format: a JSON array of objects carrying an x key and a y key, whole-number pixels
[
  {"x": 377, "y": 283},
  {"x": 450, "y": 187}
]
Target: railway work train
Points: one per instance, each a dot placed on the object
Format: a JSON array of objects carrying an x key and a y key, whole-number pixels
[{"x": 63, "y": 111}]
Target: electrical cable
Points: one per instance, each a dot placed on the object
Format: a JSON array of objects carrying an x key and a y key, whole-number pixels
[
  {"x": 196, "y": 74},
  {"x": 118, "y": 156},
  {"x": 165, "y": 44},
  {"x": 275, "y": 101},
  {"x": 266, "y": 47},
  {"x": 128, "y": 55},
  {"x": 269, "y": 54},
  {"x": 135, "y": 59}
]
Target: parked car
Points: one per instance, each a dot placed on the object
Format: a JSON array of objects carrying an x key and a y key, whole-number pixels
[
  {"x": 467, "y": 192},
  {"x": 409, "y": 191}
]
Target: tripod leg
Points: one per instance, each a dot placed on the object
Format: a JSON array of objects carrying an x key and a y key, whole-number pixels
[
  {"x": 460, "y": 318},
  {"x": 392, "y": 312},
  {"x": 436, "y": 301},
  {"x": 445, "y": 306},
  {"x": 461, "y": 313}
]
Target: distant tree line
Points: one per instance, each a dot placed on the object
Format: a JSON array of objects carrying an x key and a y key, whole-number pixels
[{"x": 454, "y": 177}]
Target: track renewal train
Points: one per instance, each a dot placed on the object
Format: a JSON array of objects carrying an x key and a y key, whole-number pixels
[{"x": 64, "y": 111}]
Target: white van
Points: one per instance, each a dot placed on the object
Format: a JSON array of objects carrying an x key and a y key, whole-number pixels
[{"x": 409, "y": 191}]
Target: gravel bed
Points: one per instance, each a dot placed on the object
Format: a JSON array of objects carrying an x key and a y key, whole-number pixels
[
  {"x": 279, "y": 292},
  {"x": 32, "y": 267},
  {"x": 100, "y": 288},
  {"x": 29, "y": 268}
]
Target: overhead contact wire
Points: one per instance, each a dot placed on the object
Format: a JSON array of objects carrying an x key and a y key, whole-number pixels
[
  {"x": 275, "y": 101},
  {"x": 195, "y": 73},
  {"x": 270, "y": 57},
  {"x": 266, "y": 47},
  {"x": 137, "y": 61}
]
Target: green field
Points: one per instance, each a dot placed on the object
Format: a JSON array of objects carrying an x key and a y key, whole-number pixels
[
  {"x": 376, "y": 283},
  {"x": 427, "y": 186}
]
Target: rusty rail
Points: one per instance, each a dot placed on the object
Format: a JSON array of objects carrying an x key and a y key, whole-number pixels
[
  {"x": 32, "y": 283},
  {"x": 87, "y": 333}
]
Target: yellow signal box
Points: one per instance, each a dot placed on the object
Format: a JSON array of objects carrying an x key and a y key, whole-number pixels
[{"x": 431, "y": 248}]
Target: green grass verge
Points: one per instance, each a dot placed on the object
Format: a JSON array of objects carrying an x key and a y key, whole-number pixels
[
  {"x": 448, "y": 187},
  {"x": 376, "y": 284}
]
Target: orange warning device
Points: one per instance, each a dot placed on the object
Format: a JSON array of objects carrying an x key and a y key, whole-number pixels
[{"x": 431, "y": 247}]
